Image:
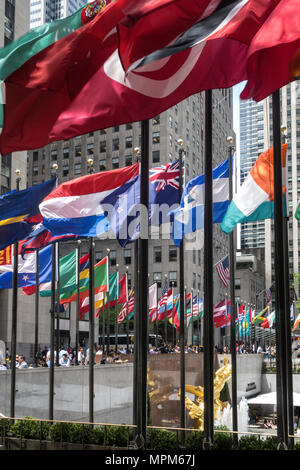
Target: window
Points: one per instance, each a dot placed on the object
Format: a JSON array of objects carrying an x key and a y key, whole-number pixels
[
  {"x": 129, "y": 280},
  {"x": 77, "y": 151},
  {"x": 103, "y": 132},
  {"x": 156, "y": 121},
  {"x": 155, "y": 137},
  {"x": 171, "y": 140},
  {"x": 199, "y": 282},
  {"x": 90, "y": 149},
  {"x": 113, "y": 257},
  {"x": 128, "y": 160},
  {"x": 116, "y": 129},
  {"x": 53, "y": 155},
  {"x": 77, "y": 169},
  {"x": 194, "y": 280},
  {"x": 115, "y": 144},
  {"x": 115, "y": 163},
  {"x": 35, "y": 156},
  {"x": 173, "y": 278},
  {"x": 128, "y": 126},
  {"x": 157, "y": 279},
  {"x": 35, "y": 171},
  {"x": 66, "y": 152},
  {"x": 155, "y": 156},
  {"x": 237, "y": 284},
  {"x": 102, "y": 146},
  {"x": 65, "y": 170},
  {"x": 172, "y": 253},
  {"x": 98, "y": 256},
  {"x": 102, "y": 165},
  {"x": 157, "y": 254},
  {"x": 128, "y": 142},
  {"x": 127, "y": 256}
]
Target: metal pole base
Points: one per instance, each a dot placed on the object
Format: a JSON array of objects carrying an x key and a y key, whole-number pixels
[
  {"x": 139, "y": 441},
  {"x": 207, "y": 444},
  {"x": 282, "y": 446}
]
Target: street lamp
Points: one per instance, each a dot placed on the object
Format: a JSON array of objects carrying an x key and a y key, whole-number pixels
[
  {"x": 137, "y": 152},
  {"x": 18, "y": 179},
  {"x": 90, "y": 163}
]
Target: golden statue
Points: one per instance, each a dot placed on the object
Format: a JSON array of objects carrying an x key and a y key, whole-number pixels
[{"x": 196, "y": 409}]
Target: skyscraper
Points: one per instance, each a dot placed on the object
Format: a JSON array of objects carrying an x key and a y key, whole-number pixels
[{"x": 44, "y": 11}]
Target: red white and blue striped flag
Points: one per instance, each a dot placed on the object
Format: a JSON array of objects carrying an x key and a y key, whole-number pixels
[{"x": 223, "y": 271}]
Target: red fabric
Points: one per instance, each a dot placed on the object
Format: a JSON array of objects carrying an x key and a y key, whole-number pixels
[
  {"x": 123, "y": 290},
  {"x": 272, "y": 50}
]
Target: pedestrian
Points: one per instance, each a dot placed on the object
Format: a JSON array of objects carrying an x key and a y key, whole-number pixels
[
  {"x": 81, "y": 357},
  {"x": 64, "y": 360},
  {"x": 22, "y": 364}
]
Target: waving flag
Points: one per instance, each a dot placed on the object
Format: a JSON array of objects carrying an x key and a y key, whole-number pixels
[
  {"x": 40, "y": 237},
  {"x": 123, "y": 313},
  {"x": 123, "y": 287},
  {"x": 152, "y": 301},
  {"x": 76, "y": 206},
  {"x": 220, "y": 313},
  {"x": 165, "y": 305},
  {"x": 254, "y": 199},
  {"x": 297, "y": 321},
  {"x": 27, "y": 270},
  {"x": 190, "y": 216},
  {"x": 19, "y": 212},
  {"x": 5, "y": 256},
  {"x": 269, "y": 293},
  {"x": 269, "y": 320},
  {"x": 223, "y": 271}
]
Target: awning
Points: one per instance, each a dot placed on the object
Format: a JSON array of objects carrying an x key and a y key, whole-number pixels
[{"x": 271, "y": 399}]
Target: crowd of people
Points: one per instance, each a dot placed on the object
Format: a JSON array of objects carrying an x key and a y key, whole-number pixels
[{"x": 68, "y": 357}]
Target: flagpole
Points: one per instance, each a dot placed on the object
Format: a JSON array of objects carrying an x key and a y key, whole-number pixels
[
  {"x": 192, "y": 307},
  {"x": 36, "y": 306},
  {"x": 108, "y": 314},
  {"x": 91, "y": 315},
  {"x": 127, "y": 319},
  {"x": 166, "y": 319},
  {"x": 208, "y": 441},
  {"x": 52, "y": 332},
  {"x": 57, "y": 308},
  {"x": 14, "y": 317},
  {"x": 198, "y": 319},
  {"x": 77, "y": 301},
  {"x": 182, "y": 305},
  {"x": 289, "y": 365},
  {"x": 280, "y": 306},
  {"x": 173, "y": 331},
  {"x": 142, "y": 339},
  {"x": 116, "y": 311},
  {"x": 232, "y": 305}
]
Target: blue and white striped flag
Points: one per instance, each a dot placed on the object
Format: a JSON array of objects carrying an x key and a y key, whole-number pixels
[{"x": 189, "y": 217}]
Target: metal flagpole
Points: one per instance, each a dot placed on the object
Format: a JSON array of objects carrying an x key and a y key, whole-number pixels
[
  {"x": 208, "y": 441},
  {"x": 116, "y": 311},
  {"x": 192, "y": 307},
  {"x": 232, "y": 306},
  {"x": 108, "y": 315},
  {"x": 14, "y": 318},
  {"x": 77, "y": 300},
  {"x": 36, "y": 307},
  {"x": 127, "y": 320},
  {"x": 57, "y": 308},
  {"x": 198, "y": 320},
  {"x": 52, "y": 333},
  {"x": 182, "y": 305},
  {"x": 91, "y": 329},
  {"x": 142, "y": 339},
  {"x": 166, "y": 319},
  {"x": 280, "y": 306}
]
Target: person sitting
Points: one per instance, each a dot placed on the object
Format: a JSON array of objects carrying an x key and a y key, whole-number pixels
[
  {"x": 64, "y": 361},
  {"x": 22, "y": 364}
]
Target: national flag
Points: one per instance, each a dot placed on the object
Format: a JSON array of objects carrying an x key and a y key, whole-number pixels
[
  {"x": 297, "y": 321},
  {"x": 5, "y": 256},
  {"x": 269, "y": 320},
  {"x": 223, "y": 271},
  {"x": 101, "y": 284},
  {"x": 241, "y": 313},
  {"x": 271, "y": 62},
  {"x": 40, "y": 237},
  {"x": 63, "y": 75},
  {"x": 79, "y": 206},
  {"x": 201, "y": 307},
  {"x": 113, "y": 294},
  {"x": 123, "y": 289},
  {"x": 162, "y": 304},
  {"x": 174, "y": 319},
  {"x": 27, "y": 270},
  {"x": 220, "y": 313},
  {"x": 152, "y": 302},
  {"x": 297, "y": 213},
  {"x": 254, "y": 200},
  {"x": 125, "y": 218},
  {"x": 123, "y": 313},
  {"x": 269, "y": 293},
  {"x": 19, "y": 211},
  {"x": 259, "y": 318},
  {"x": 189, "y": 217}
]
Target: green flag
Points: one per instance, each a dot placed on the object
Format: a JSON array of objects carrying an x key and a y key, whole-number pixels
[
  {"x": 67, "y": 275},
  {"x": 297, "y": 213}
]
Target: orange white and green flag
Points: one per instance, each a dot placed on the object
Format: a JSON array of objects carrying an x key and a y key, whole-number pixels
[{"x": 255, "y": 198}]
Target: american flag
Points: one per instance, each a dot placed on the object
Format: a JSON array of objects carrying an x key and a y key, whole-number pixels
[
  {"x": 269, "y": 292},
  {"x": 195, "y": 305},
  {"x": 223, "y": 271},
  {"x": 163, "y": 302},
  {"x": 123, "y": 312},
  {"x": 165, "y": 175}
]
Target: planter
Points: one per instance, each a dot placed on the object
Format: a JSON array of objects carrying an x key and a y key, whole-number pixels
[{"x": 15, "y": 443}]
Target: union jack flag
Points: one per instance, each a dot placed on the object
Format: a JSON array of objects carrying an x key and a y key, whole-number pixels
[{"x": 165, "y": 175}]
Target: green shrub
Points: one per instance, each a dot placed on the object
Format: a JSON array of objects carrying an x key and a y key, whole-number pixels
[
  {"x": 97, "y": 435},
  {"x": 270, "y": 443},
  {"x": 79, "y": 433},
  {"x": 223, "y": 441},
  {"x": 194, "y": 440},
  {"x": 59, "y": 432},
  {"x": 250, "y": 443},
  {"x": 5, "y": 426},
  {"x": 159, "y": 439},
  {"x": 30, "y": 429},
  {"x": 117, "y": 436}
]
